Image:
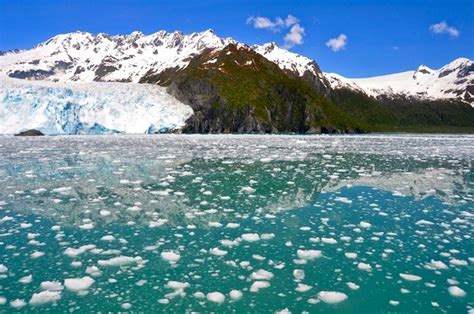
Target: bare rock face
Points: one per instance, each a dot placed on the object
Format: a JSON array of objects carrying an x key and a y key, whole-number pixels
[{"x": 31, "y": 132}]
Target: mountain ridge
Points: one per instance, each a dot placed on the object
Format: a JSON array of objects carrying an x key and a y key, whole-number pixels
[{"x": 287, "y": 92}]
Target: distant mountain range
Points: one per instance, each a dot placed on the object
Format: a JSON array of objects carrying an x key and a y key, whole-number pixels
[{"x": 220, "y": 85}]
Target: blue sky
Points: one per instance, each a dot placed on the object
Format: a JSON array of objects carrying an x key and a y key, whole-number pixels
[{"x": 371, "y": 37}]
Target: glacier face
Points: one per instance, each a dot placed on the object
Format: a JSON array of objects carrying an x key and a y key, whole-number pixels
[{"x": 88, "y": 108}]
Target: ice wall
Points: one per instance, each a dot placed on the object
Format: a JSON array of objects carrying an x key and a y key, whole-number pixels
[{"x": 88, "y": 108}]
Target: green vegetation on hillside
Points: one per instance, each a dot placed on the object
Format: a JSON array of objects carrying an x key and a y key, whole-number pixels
[{"x": 236, "y": 90}]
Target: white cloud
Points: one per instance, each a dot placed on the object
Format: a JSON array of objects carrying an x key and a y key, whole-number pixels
[
  {"x": 295, "y": 36},
  {"x": 443, "y": 28},
  {"x": 292, "y": 38},
  {"x": 337, "y": 43}
]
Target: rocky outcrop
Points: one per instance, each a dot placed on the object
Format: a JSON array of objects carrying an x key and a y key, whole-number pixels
[
  {"x": 31, "y": 132},
  {"x": 236, "y": 90}
]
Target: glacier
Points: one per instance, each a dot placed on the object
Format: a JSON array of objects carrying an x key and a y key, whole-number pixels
[{"x": 56, "y": 108}]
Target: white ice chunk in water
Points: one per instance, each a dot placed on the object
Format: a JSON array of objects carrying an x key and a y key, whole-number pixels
[
  {"x": 120, "y": 261},
  {"x": 308, "y": 254},
  {"x": 350, "y": 255},
  {"x": 455, "y": 291},
  {"x": 17, "y": 304},
  {"x": 298, "y": 274},
  {"x": 257, "y": 285},
  {"x": 78, "y": 284},
  {"x": 332, "y": 297},
  {"x": 26, "y": 279},
  {"x": 261, "y": 274},
  {"x": 170, "y": 256},
  {"x": 51, "y": 286},
  {"x": 45, "y": 297},
  {"x": 250, "y": 237},
  {"x": 410, "y": 277},
  {"x": 218, "y": 252},
  {"x": 216, "y": 297},
  {"x": 303, "y": 288},
  {"x": 235, "y": 294},
  {"x": 353, "y": 286},
  {"x": 364, "y": 266}
]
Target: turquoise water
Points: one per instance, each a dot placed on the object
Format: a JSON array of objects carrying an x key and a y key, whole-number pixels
[{"x": 160, "y": 223}]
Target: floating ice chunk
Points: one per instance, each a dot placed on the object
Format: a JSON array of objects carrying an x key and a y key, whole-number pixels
[
  {"x": 298, "y": 274},
  {"x": 410, "y": 277},
  {"x": 45, "y": 297},
  {"x": 36, "y": 254},
  {"x": 78, "y": 284},
  {"x": 267, "y": 236},
  {"x": 235, "y": 294},
  {"x": 51, "y": 286},
  {"x": 215, "y": 224},
  {"x": 218, "y": 252},
  {"x": 329, "y": 240},
  {"x": 364, "y": 224},
  {"x": 258, "y": 257},
  {"x": 303, "y": 288},
  {"x": 75, "y": 252},
  {"x": 364, "y": 266},
  {"x": 87, "y": 226},
  {"x": 215, "y": 297},
  {"x": 257, "y": 285},
  {"x": 331, "y": 297},
  {"x": 248, "y": 190},
  {"x": 76, "y": 264},
  {"x": 104, "y": 212},
  {"x": 108, "y": 238},
  {"x": 433, "y": 265},
  {"x": 170, "y": 256},
  {"x": 261, "y": 274},
  {"x": 3, "y": 268},
  {"x": 26, "y": 279},
  {"x": 250, "y": 237},
  {"x": 62, "y": 189},
  {"x": 199, "y": 295},
  {"x": 455, "y": 291},
  {"x": 393, "y": 302},
  {"x": 177, "y": 285},
  {"x": 126, "y": 306},
  {"x": 308, "y": 254},
  {"x": 134, "y": 208},
  {"x": 424, "y": 222},
  {"x": 458, "y": 262},
  {"x": 120, "y": 261},
  {"x": 226, "y": 242},
  {"x": 232, "y": 225},
  {"x": 350, "y": 255},
  {"x": 353, "y": 286},
  {"x": 17, "y": 304},
  {"x": 343, "y": 199},
  {"x": 3, "y": 300}
]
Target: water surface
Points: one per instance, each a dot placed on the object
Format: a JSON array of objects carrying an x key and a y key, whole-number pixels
[{"x": 176, "y": 223}]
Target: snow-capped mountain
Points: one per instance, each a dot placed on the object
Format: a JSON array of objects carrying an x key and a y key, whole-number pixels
[
  {"x": 302, "y": 66},
  {"x": 453, "y": 81},
  {"x": 80, "y": 83},
  {"x": 85, "y": 57}
]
